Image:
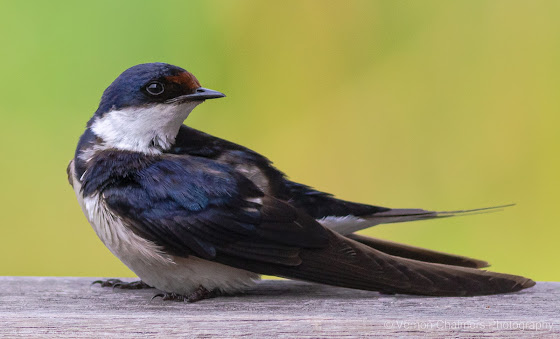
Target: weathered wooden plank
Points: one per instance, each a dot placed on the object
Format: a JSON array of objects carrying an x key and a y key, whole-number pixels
[{"x": 70, "y": 307}]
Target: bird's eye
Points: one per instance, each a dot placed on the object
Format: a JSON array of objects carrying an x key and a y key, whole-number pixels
[{"x": 155, "y": 88}]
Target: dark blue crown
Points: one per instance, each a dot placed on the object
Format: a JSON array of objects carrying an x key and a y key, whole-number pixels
[{"x": 126, "y": 91}]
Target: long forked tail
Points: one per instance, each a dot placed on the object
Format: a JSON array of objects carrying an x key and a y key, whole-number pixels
[
  {"x": 350, "y": 224},
  {"x": 418, "y": 253},
  {"x": 347, "y": 263}
]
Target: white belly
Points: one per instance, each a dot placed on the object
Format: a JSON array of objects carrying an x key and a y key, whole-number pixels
[{"x": 162, "y": 271}]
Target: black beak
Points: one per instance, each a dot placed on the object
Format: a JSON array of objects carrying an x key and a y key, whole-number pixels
[{"x": 200, "y": 93}]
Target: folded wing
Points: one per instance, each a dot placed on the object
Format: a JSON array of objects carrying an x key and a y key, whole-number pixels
[{"x": 195, "y": 206}]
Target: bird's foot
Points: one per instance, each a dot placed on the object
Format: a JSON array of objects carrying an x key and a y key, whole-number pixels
[
  {"x": 200, "y": 294},
  {"x": 117, "y": 283},
  {"x": 170, "y": 296}
]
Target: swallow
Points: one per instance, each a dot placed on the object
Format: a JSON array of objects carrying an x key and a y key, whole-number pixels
[{"x": 196, "y": 216}]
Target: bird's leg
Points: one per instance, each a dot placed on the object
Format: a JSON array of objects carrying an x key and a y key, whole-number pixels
[
  {"x": 170, "y": 296},
  {"x": 117, "y": 283},
  {"x": 200, "y": 293}
]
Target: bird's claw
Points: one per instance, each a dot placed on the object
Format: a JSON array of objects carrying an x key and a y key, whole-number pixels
[
  {"x": 107, "y": 283},
  {"x": 117, "y": 283},
  {"x": 170, "y": 296},
  {"x": 199, "y": 294}
]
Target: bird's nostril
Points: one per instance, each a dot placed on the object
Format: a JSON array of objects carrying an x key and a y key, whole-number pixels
[{"x": 200, "y": 90}]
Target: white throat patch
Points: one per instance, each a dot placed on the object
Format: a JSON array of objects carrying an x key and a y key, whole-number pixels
[{"x": 149, "y": 129}]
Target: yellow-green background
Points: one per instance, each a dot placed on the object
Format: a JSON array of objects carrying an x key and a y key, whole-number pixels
[{"x": 432, "y": 104}]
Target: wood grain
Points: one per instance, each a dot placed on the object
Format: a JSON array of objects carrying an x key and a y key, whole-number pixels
[{"x": 71, "y": 308}]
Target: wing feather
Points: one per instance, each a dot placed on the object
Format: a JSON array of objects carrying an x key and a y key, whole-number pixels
[{"x": 196, "y": 206}]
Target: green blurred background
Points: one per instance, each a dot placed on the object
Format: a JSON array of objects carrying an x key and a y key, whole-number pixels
[{"x": 432, "y": 104}]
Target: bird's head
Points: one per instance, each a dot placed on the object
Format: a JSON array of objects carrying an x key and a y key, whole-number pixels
[{"x": 143, "y": 109}]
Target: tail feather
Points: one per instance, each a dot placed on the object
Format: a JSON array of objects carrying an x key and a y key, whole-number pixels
[
  {"x": 417, "y": 253},
  {"x": 350, "y": 224},
  {"x": 347, "y": 263}
]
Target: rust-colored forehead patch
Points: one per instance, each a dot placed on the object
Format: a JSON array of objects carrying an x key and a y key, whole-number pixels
[{"x": 184, "y": 79}]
